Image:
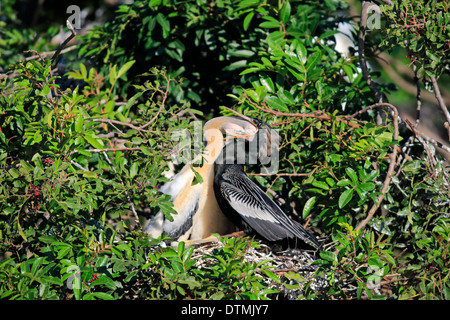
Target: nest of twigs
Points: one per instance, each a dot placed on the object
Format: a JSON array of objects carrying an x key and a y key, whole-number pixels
[{"x": 293, "y": 266}]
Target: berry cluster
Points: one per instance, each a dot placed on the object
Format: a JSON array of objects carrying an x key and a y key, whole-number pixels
[
  {"x": 93, "y": 278},
  {"x": 413, "y": 58},
  {"x": 415, "y": 25},
  {"x": 430, "y": 269},
  {"x": 34, "y": 192},
  {"x": 36, "y": 195},
  {"x": 48, "y": 161}
]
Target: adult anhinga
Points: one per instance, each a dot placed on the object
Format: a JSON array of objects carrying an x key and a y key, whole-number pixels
[
  {"x": 248, "y": 207},
  {"x": 198, "y": 214}
]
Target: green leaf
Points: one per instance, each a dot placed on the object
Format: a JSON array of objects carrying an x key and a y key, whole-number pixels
[
  {"x": 345, "y": 197},
  {"x": 267, "y": 82},
  {"x": 110, "y": 106},
  {"x": 328, "y": 33},
  {"x": 19, "y": 228},
  {"x": 432, "y": 56},
  {"x": 328, "y": 256},
  {"x": 276, "y": 103},
  {"x": 164, "y": 23},
  {"x": 301, "y": 52},
  {"x": 367, "y": 186},
  {"x": 349, "y": 72},
  {"x": 248, "y": 19},
  {"x": 308, "y": 206},
  {"x": 286, "y": 96},
  {"x": 154, "y": 3},
  {"x": 125, "y": 68},
  {"x": 134, "y": 169},
  {"x": 112, "y": 75},
  {"x": 313, "y": 61},
  {"x": 94, "y": 141},
  {"x": 271, "y": 23},
  {"x": 126, "y": 248},
  {"x": 266, "y": 62},
  {"x": 45, "y": 91},
  {"x": 103, "y": 295},
  {"x": 63, "y": 252},
  {"x": 343, "y": 183},
  {"x": 79, "y": 123},
  {"x": 248, "y": 3},
  {"x": 197, "y": 178},
  {"x": 352, "y": 175},
  {"x": 285, "y": 12},
  {"x": 272, "y": 276},
  {"x": 320, "y": 184},
  {"x": 90, "y": 174},
  {"x": 105, "y": 281},
  {"x": 180, "y": 248}
]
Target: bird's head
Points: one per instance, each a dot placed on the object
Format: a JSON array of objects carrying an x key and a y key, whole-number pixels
[
  {"x": 231, "y": 128},
  {"x": 266, "y": 136},
  {"x": 220, "y": 131}
]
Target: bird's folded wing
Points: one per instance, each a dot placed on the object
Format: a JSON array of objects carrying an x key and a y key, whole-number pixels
[{"x": 261, "y": 212}]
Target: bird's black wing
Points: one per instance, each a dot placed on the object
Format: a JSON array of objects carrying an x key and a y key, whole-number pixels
[{"x": 259, "y": 211}]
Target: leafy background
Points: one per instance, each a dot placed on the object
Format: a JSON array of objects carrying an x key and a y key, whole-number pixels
[{"x": 85, "y": 139}]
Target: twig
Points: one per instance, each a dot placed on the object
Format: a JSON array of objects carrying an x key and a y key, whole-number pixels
[
  {"x": 427, "y": 150},
  {"x": 161, "y": 106},
  {"x": 433, "y": 142},
  {"x": 388, "y": 2},
  {"x": 392, "y": 162},
  {"x": 320, "y": 115},
  {"x": 112, "y": 149},
  {"x": 402, "y": 76},
  {"x": 296, "y": 270},
  {"x": 141, "y": 128},
  {"x": 111, "y": 122},
  {"x": 62, "y": 45},
  {"x": 36, "y": 56},
  {"x": 417, "y": 82},
  {"x": 79, "y": 166},
  {"x": 49, "y": 53},
  {"x": 130, "y": 203},
  {"x": 281, "y": 174},
  {"x": 419, "y": 100},
  {"x": 362, "y": 57},
  {"x": 438, "y": 95}
]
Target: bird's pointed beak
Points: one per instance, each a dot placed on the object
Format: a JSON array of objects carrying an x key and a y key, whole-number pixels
[{"x": 235, "y": 131}]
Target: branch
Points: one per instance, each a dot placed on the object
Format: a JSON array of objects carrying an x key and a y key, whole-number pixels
[
  {"x": 419, "y": 100},
  {"x": 427, "y": 150},
  {"x": 49, "y": 53},
  {"x": 112, "y": 149},
  {"x": 161, "y": 106},
  {"x": 111, "y": 121},
  {"x": 438, "y": 95},
  {"x": 362, "y": 57},
  {"x": 62, "y": 45},
  {"x": 388, "y": 2},
  {"x": 392, "y": 162},
  {"x": 320, "y": 115},
  {"x": 130, "y": 202},
  {"x": 281, "y": 174},
  {"x": 430, "y": 140},
  {"x": 141, "y": 128}
]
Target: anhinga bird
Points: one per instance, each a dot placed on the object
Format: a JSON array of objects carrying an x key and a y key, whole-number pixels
[
  {"x": 199, "y": 214},
  {"x": 248, "y": 207}
]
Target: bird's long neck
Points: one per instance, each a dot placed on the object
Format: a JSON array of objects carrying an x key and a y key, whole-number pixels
[{"x": 214, "y": 146}]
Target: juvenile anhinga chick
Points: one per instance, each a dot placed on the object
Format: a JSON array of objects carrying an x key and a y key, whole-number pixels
[{"x": 198, "y": 214}]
